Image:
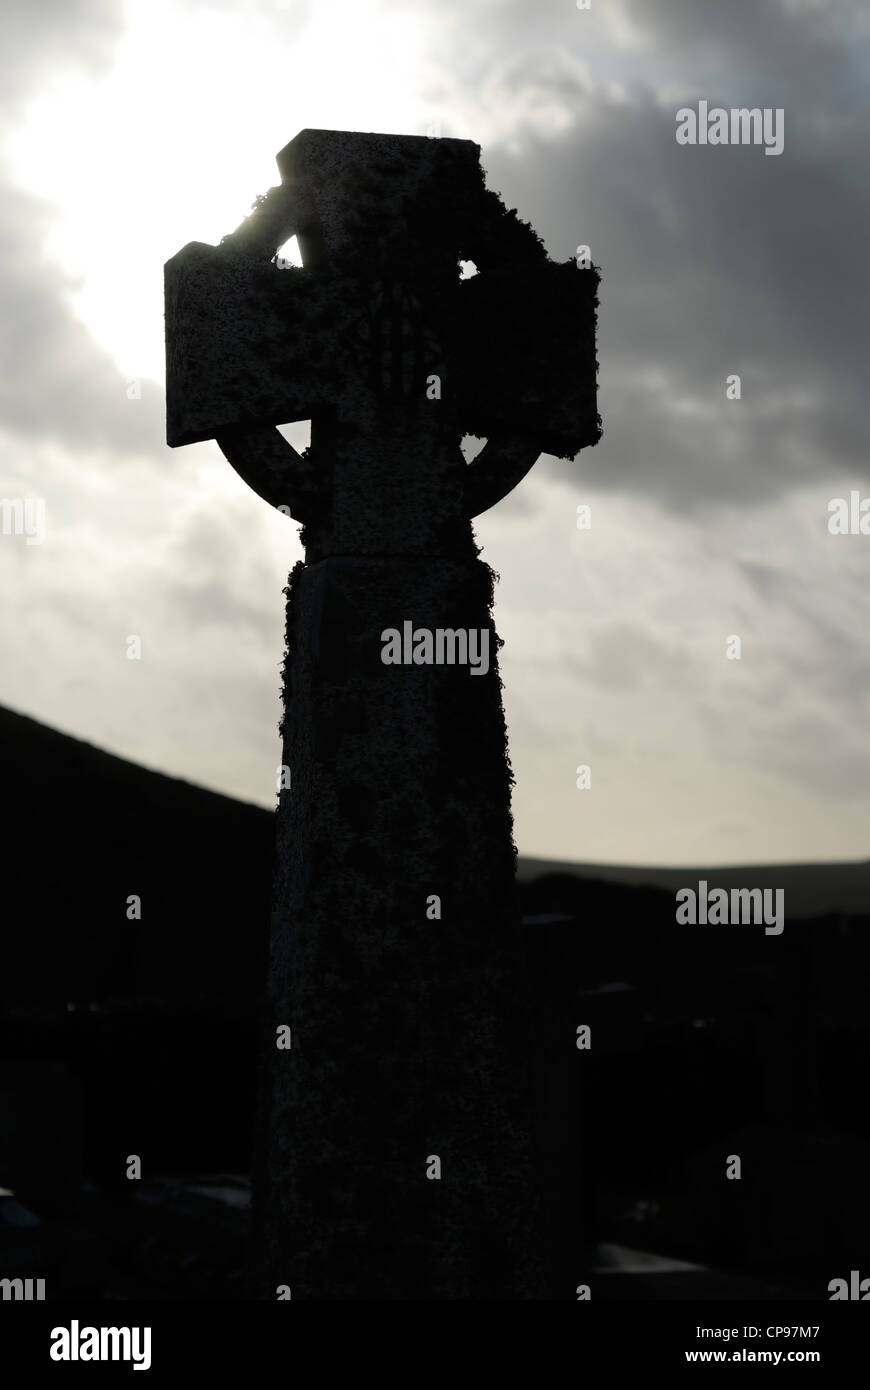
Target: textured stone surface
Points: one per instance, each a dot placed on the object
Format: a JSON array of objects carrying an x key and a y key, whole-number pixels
[{"x": 409, "y": 1034}]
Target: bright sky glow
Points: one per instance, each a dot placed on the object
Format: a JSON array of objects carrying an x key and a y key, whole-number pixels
[{"x": 176, "y": 141}]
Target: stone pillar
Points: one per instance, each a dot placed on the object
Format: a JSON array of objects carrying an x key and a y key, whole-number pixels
[{"x": 407, "y": 1018}]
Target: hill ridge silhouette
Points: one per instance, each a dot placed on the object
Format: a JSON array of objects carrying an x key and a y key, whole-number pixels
[{"x": 41, "y": 763}]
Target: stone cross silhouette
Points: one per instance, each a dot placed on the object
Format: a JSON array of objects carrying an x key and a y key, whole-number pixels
[{"x": 396, "y": 1154}]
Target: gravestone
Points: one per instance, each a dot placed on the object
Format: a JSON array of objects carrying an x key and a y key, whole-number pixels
[{"x": 395, "y": 1154}]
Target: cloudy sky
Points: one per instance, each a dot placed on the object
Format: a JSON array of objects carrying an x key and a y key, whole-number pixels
[{"x": 127, "y": 130}]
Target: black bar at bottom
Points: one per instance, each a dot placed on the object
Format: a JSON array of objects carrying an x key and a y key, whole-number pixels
[{"x": 198, "y": 1339}]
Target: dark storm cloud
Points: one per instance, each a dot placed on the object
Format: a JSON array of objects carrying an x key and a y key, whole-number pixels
[
  {"x": 774, "y": 39},
  {"x": 715, "y": 260}
]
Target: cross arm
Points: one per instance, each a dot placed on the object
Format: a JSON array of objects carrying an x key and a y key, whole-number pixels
[
  {"x": 249, "y": 344},
  {"x": 525, "y": 371},
  {"x": 524, "y": 360}
]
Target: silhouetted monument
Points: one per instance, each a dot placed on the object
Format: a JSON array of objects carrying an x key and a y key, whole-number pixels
[{"x": 396, "y": 1156}]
